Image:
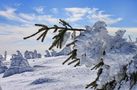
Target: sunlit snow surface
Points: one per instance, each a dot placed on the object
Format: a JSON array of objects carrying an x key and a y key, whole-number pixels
[{"x": 49, "y": 74}]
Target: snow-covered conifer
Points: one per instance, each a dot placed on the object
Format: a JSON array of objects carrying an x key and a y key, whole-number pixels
[
  {"x": 65, "y": 51},
  {"x": 3, "y": 68},
  {"x": 27, "y": 54},
  {"x": 18, "y": 65},
  {"x": 47, "y": 53}
]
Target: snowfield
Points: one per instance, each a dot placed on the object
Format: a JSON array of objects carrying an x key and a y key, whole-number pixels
[{"x": 49, "y": 74}]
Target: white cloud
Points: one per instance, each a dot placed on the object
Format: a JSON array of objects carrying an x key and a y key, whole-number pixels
[
  {"x": 12, "y": 36},
  {"x": 12, "y": 40},
  {"x": 39, "y": 9},
  {"x": 76, "y": 14},
  {"x": 28, "y": 17},
  {"x": 130, "y": 31},
  {"x": 25, "y": 18},
  {"x": 33, "y": 18},
  {"x": 8, "y": 13},
  {"x": 95, "y": 14},
  {"x": 46, "y": 19},
  {"x": 54, "y": 10},
  {"x": 92, "y": 14}
]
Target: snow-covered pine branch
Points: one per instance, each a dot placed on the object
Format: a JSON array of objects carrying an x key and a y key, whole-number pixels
[
  {"x": 60, "y": 39},
  {"x": 113, "y": 57}
]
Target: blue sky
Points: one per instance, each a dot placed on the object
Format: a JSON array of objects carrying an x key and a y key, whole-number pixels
[
  {"x": 17, "y": 18},
  {"x": 124, "y": 9}
]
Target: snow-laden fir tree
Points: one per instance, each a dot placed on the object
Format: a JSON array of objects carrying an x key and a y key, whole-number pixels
[
  {"x": 53, "y": 53},
  {"x": 1, "y": 58},
  {"x": 3, "y": 67},
  {"x": 36, "y": 54},
  {"x": 27, "y": 55},
  {"x": 31, "y": 54},
  {"x": 47, "y": 53},
  {"x": 114, "y": 58},
  {"x": 64, "y": 51},
  {"x": 18, "y": 65}
]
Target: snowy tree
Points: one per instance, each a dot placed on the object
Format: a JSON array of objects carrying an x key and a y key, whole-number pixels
[
  {"x": 53, "y": 53},
  {"x": 31, "y": 54},
  {"x": 47, "y": 54},
  {"x": 1, "y": 58},
  {"x": 64, "y": 51},
  {"x": 27, "y": 54},
  {"x": 39, "y": 55},
  {"x": 36, "y": 54},
  {"x": 5, "y": 55},
  {"x": 3, "y": 68},
  {"x": 19, "y": 53},
  {"x": 18, "y": 65},
  {"x": 114, "y": 58}
]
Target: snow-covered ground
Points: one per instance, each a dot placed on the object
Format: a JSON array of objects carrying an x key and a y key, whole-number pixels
[{"x": 49, "y": 74}]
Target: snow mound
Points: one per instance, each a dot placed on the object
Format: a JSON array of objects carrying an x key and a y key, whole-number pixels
[{"x": 42, "y": 80}]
